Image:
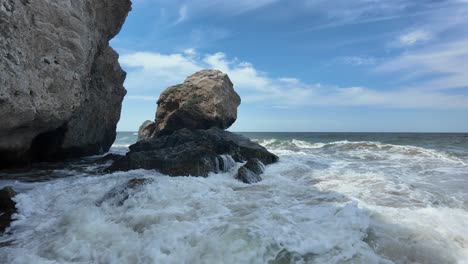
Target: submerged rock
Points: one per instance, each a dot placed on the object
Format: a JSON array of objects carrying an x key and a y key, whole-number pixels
[
  {"x": 206, "y": 99},
  {"x": 7, "y": 207},
  {"x": 118, "y": 195},
  {"x": 146, "y": 130},
  {"x": 251, "y": 171},
  {"x": 61, "y": 86},
  {"x": 192, "y": 152}
]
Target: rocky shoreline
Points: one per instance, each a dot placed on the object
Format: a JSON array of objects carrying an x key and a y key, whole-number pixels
[{"x": 188, "y": 137}]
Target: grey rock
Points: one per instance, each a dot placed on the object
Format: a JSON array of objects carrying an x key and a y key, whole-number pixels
[
  {"x": 146, "y": 130},
  {"x": 61, "y": 86},
  {"x": 119, "y": 194},
  {"x": 206, "y": 99},
  {"x": 192, "y": 153}
]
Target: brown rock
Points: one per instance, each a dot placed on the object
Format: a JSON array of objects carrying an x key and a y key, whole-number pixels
[{"x": 206, "y": 99}]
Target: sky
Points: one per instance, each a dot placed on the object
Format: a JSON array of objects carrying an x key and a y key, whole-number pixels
[{"x": 306, "y": 65}]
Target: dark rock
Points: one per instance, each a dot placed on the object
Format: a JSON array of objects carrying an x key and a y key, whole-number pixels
[
  {"x": 146, "y": 130},
  {"x": 206, "y": 99},
  {"x": 61, "y": 86},
  {"x": 250, "y": 172},
  {"x": 109, "y": 157},
  {"x": 192, "y": 152},
  {"x": 7, "y": 207},
  {"x": 118, "y": 195}
]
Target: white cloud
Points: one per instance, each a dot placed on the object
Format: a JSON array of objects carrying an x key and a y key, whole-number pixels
[
  {"x": 414, "y": 37},
  {"x": 358, "y": 61},
  {"x": 154, "y": 72},
  {"x": 446, "y": 63}
]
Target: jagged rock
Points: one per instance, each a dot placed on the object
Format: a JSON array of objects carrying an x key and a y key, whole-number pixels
[
  {"x": 146, "y": 130},
  {"x": 206, "y": 99},
  {"x": 191, "y": 152},
  {"x": 251, "y": 171},
  {"x": 61, "y": 86},
  {"x": 118, "y": 195},
  {"x": 7, "y": 207}
]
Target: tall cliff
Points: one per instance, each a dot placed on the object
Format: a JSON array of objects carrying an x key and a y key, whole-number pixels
[{"x": 61, "y": 86}]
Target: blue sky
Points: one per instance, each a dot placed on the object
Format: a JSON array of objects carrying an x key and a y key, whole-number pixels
[{"x": 306, "y": 65}]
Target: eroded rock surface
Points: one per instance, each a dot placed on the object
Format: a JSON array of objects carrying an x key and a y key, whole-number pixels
[
  {"x": 251, "y": 171},
  {"x": 192, "y": 153},
  {"x": 146, "y": 130},
  {"x": 206, "y": 99},
  {"x": 61, "y": 86}
]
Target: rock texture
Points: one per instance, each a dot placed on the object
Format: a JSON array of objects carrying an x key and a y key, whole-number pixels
[
  {"x": 7, "y": 207},
  {"x": 206, "y": 99},
  {"x": 192, "y": 152},
  {"x": 146, "y": 130},
  {"x": 251, "y": 171},
  {"x": 119, "y": 194},
  {"x": 61, "y": 86}
]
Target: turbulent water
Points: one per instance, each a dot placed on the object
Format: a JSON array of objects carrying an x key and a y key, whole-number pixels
[{"x": 332, "y": 198}]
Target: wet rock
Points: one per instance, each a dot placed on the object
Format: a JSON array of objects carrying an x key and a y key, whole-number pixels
[
  {"x": 146, "y": 130},
  {"x": 250, "y": 172},
  {"x": 7, "y": 207},
  {"x": 118, "y": 195},
  {"x": 192, "y": 152},
  {"x": 206, "y": 99},
  {"x": 61, "y": 85},
  {"x": 109, "y": 157}
]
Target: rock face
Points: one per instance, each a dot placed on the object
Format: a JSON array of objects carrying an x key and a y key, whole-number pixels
[
  {"x": 192, "y": 152},
  {"x": 61, "y": 86},
  {"x": 146, "y": 130},
  {"x": 206, "y": 99},
  {"x": 7, "y": 207}
]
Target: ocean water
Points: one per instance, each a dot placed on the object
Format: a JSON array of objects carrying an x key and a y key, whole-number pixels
[{"x": 332, "y": 198}]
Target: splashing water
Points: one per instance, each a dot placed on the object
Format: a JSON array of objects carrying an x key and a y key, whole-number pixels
[{"x": 332, "y": 198}]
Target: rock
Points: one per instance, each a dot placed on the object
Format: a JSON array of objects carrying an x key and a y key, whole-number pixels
[
  {"x": 146, "y": 130},
  {"x": 192, "y": 153},
  {"x": 250, "y": 172},
  {"x": 61, "y": 86},
  {"x": 7, "y": 207},
  {"x": 118, "y": 195},
  {"x": 109, "y": 157},
  {"x": 206, "y": 99}
]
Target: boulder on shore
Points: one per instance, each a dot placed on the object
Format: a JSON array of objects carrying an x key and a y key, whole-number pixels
[
  {"x": 192, "y": 153},
  {"x": 61, "y": 86},
  {"x": 188, "y": 136},
  {"x": 206, "y": 99}
]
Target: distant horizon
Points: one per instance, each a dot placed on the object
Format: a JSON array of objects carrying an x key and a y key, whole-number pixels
[{"x": 341, "y": 132}]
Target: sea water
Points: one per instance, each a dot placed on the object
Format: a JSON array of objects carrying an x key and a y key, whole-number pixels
[{"x": 332, "y": 198}]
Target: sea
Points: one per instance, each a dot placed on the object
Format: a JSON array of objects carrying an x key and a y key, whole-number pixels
[{"x": 332, "y": 198}]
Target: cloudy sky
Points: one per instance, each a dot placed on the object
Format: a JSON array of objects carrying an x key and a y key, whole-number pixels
[{"x": 306, "y": 65}]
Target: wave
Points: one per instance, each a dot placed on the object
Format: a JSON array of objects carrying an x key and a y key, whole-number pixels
[{"x": 358, "y": 148}]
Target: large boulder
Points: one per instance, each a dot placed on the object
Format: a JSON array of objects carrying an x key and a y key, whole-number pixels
[
  {"x": 192, "y": 152},
  {"x": 61, "y": 86},
  {"x": 206, "y": 99}
]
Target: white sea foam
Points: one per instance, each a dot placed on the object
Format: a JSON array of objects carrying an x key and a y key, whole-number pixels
[{"x": 337, "y": 202}]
